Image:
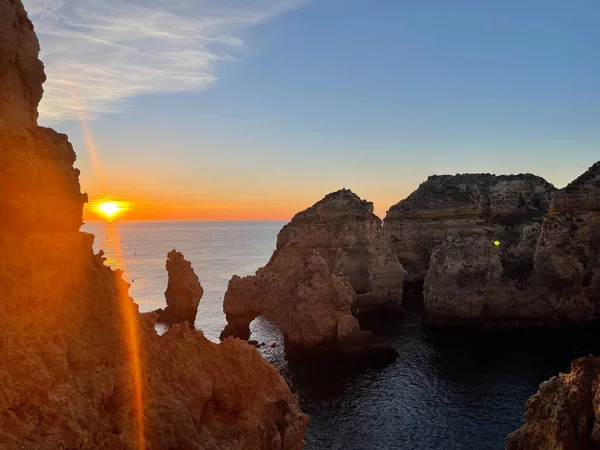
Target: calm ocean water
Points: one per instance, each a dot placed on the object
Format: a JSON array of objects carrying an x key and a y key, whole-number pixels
[{"x": 443, "y": 392}]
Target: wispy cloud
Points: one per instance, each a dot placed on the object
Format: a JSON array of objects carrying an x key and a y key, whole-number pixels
[{"x": 100, "y": 53}]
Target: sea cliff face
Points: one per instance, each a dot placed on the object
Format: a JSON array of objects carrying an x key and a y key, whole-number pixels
[
  {"x": 81, "y": 368},
  {"x": 507, "y": 208},
  {"x": 525, "y": 274},
  {"x": 344, "y": 230}
]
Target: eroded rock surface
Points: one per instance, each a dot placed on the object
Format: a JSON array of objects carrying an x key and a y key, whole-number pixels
[
  {"x": 567, "y": 256},
  {"x": 311, "y": 306},
  {"x": 506, "y": 208},
  {"x": 344, "y": 230},
  {"x": 68, "y": 377},
  {"x": 549, "y": 275},
  {"x": 563, "y": 414},
  {"x": 183, "y": 293}
]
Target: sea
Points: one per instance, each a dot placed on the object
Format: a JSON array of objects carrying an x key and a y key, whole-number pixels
[{"x": 445, "y": 391}]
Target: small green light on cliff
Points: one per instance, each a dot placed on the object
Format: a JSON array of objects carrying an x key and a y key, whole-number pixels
[{"x": 496, "y": 243}]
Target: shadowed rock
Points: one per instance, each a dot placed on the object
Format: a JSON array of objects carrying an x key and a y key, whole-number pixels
[
  {"x": 183, "y": 292},
  {"x": 312, "y": 308},
  {"x": 506, "y": 208}
]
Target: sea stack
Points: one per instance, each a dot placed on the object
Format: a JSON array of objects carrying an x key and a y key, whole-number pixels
[
  {"x": 311, "y": 306},
  {"x": 351, "y": 239},
  {"x": 183, "y": 293},
  {"x": 81, "y": 368}
]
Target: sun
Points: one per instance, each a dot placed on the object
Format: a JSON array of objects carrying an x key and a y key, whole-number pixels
[{"x": 109, "y": 209}]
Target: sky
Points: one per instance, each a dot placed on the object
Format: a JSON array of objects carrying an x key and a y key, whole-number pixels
[{"x": 256, "y": 109}]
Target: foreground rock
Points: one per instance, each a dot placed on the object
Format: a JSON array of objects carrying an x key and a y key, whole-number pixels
[
  {"x": 344, "y": 230},
  {"x": 80, "y": 367},
  {"x": 312, "y": 308},
  {"x": 183, "y": 292},
  {"x": 563, "y": 415},
  {"x": 508, "y": 209}
]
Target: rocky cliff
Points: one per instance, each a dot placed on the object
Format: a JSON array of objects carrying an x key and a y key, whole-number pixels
[
  {"x": 564, "y": 414},
  {"x": 507, "y": 208},
  {"x": 566, "y": 280},
  {"x": 344, "y": 230},
  {"x": 80, "y": 367},
  {"x": 547, "y": 275},
  {"x": 310, "y": 305},
  {"x": 183, "y": 293}
]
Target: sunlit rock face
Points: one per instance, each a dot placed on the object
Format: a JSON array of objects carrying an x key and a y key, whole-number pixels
[
  {"x": 183, "y": 292},
  {"x": 508, "y": 209},
  {"x": 563, "y": 414},
  {"x": 39, "y": 186},
  {"x": 344, "y": 230},
  {"x": 311, "y": 306},
  {"x": 66, "y": 378}
]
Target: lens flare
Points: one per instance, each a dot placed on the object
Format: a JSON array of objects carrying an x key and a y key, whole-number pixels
[{"x": 496, "y": 243}]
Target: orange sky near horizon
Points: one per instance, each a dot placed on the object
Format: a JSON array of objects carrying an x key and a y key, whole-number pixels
[{"x": 183, "y": 208}]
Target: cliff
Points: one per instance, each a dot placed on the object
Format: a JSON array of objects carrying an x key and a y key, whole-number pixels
[
  {"x": 80, "y": 367},
  {"x": 505, "y": 208},
  {"x": 311, "y": 307},
  {"x": 563, "y": 415},
  {"x": 564, "y": 412},
  {"x": 344, "y": 230},
  {"x": 183, "y": 293}
]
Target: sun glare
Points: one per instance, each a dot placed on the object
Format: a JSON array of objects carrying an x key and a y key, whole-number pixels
[{"x": 109, "y": 209}]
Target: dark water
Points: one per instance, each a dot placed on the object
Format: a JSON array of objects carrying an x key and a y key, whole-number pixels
[{"x": 445, "y": 391}]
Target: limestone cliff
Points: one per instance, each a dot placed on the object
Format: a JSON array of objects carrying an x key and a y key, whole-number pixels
[
  {"x": 80, "y": 367},
  {"x": 567, "y": 256},
  {"x": 183, "y": 293},
  {"x": 310, "y": 305},
  {"x": 564, "y": 414},
  {"x": 548, "y": 276},
  {"x": 344, "y": 230},
  {"x": 506, "y": 208}
]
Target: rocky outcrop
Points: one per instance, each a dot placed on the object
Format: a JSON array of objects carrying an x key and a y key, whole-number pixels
[
  {"x": 81, "y": 368},
  {"x": 311, "y": 306},
  {"x": 507, "y": 208},
  {"x": 344, "y": 230},
  {"x": 563, "y": 414},
  {"x": 550, "y": 275},
  {"x": 567, "y": 257},
  {"x": 183, "y": 292}
]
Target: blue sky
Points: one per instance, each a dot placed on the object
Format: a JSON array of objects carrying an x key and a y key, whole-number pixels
[{"x": 268, "y": 105}]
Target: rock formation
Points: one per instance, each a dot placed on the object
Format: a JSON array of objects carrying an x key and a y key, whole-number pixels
[
  {"x": 311, "y": 307},
  {"x": 508, "y": 209},
  {"x": 344, "y": 230},
  {"x": 550, "y": 275},
  {"x": 563, "y": 414},
  {"x": 80, "y": 367},
  {"x": 183, "y": 292},
  {"x": 566, "y": 272}
]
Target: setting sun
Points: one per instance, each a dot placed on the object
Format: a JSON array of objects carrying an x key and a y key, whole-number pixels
[{"x": 110, "y": 209}]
